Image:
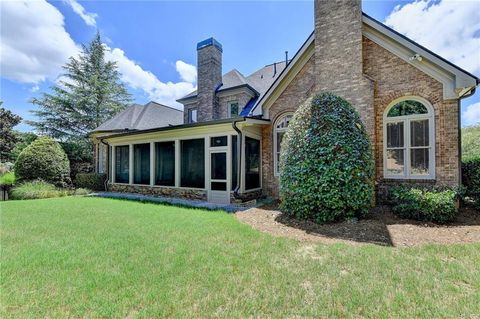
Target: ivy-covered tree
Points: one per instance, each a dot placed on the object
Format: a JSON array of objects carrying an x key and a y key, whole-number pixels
[
  {"x": 8, "y": 121},
  {"x": 89, "y": 93}
]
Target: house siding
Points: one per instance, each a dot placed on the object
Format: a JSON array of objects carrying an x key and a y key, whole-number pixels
[
  {"x": 395, "y": 78},
  {"x": 390, "y": 78}
]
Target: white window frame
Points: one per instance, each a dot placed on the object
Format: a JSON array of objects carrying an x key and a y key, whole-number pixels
[
  {"x": 275, "y": 134},
  {"x": 406, "y": 120},
  {"x": 229, "y": 108},
  {"x": 190, "y": 115}
]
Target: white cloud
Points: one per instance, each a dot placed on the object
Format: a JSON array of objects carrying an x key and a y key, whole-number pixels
[
  {"x": 471, "y": 115},
  {"x": 138, "y": 78},
  {"x": 450, "y": 28},
  {"x": 187, "y": 71},
  {"x": 34, "y": 88},
  {"x": 87, "y": 17},
  {"x": 33, "y": 41}
]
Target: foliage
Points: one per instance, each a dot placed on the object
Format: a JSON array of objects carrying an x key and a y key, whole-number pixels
[
  {"x": 7, "y": 137},
  {"x": 81, "y": 191},
  {"x": 471, "y": 178},
  {"x": 80, "y": 155},
  {"x": 7, "y": 178},
  {"x": 326, "y": 162},
  {"x": 91, "y": 181},
  {"x": 437, "y": 205},
  {"x": 36, "y": 190},
  {"x": 43, "y": 159},
  {"x": 89, "y": 93},
  {"x": 471, "y": 142},
  {"x": 107, "y": 258},
  {"x": 5, "y": 167},
  {"x": 23, "y": 140}
]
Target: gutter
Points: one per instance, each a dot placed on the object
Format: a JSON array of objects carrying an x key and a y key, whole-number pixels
[
  {"x": 239, "y": 160},
  {"x": 470, "y": 93},
  {"x": 108, "y": 162}
]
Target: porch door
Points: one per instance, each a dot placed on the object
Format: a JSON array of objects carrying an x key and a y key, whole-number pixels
[{"x": 218, "y": 188}]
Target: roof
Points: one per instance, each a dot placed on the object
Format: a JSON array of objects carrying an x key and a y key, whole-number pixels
[
  {"x": 142, "y": 117},
  {"x": 259, "y": 81}
]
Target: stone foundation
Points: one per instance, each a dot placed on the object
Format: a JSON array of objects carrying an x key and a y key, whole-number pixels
[{"x": 197, "y": 194}]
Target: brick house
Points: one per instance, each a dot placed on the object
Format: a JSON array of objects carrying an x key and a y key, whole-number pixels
[{"x": 227, "y": 144}]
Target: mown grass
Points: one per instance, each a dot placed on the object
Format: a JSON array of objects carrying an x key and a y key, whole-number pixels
[{"x": 93, "y": 257}]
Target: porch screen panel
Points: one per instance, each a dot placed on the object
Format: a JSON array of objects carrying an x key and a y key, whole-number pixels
[
  {"x": 141, "y": 164},
  {"x": 234, "y": 162},
  {"x": 121, "y": 164},
  {"x": 252, "y": 163},
  {"x": 165, "y": 163},
  {"x": 192, "y": 167}
]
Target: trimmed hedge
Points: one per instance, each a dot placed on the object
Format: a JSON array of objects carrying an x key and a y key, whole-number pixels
[
  {"x": 326, "y": 164},
  {"x": 43, "y": 159},
  {"x": 471, "y": 179},
  {"x": 424, "y": 204},
  {"x": 91, "y": 181}
]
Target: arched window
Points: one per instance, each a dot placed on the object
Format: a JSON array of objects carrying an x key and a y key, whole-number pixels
[
  {"x": 409, "y": 142},
  {"x": 281, "y": 126}
]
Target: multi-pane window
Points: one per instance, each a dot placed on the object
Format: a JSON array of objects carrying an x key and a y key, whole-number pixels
[
  {"x": 122, "y": 164},
  {"x": 141, "y": 164},
  {"x": 192, "y": 116},
  {"x": 409, "y": 146},
  {"x": 165, "y": 163},
  {"x": 233, "y": 109},
  {"x": 281, "y": 127}
]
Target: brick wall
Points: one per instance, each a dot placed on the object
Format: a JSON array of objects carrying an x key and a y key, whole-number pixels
[
  {"x": 222, "y": 108},
  {"x": 395, "y": 78}
]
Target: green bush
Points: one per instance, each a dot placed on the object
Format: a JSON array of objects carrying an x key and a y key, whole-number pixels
[
  {"x": 471, "y": 178},
  {"x": 91, "y": 181},
  {"x": 424, "y": 204},
  {"x": 36, "y": 190},
  {"x": 7, "y": 179},
  {"x": 326, "y": 163},
  {"x": 43, "y": 159}
]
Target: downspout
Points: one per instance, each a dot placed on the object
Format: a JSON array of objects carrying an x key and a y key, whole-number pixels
[
  {"x": 239, "y": 160},
  {"x": 108, "y": 163},
  {"x": 470, "y": 93}
]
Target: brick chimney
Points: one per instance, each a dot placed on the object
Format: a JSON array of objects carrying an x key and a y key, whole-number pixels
[
  {"x": 209, "y": 64},
  {"x": 339, "y": 56}
]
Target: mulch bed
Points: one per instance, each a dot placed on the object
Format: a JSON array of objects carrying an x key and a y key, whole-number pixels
[{"x": 381, "y": 228}]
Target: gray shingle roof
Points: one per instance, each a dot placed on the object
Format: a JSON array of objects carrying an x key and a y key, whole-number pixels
[
  {"x": 259, "y": 80},
  {"x": 142, "y": 117}
]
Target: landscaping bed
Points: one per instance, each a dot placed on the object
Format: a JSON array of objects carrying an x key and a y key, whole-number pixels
[{"x": 381, "y": 227}]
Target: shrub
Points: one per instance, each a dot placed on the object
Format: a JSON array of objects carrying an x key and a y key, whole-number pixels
[
  {"x": 7, "y": 179},
  {"x": 36, "y": 190},
  {"x": 471, "y": 178},
  {"x": 81, "y": 191},
  {"x": 91, "y": 181},
  {"x": 326, "y": 163},
  {"x": 424, "y": 204},
  {"x": 43, "y": 159}
]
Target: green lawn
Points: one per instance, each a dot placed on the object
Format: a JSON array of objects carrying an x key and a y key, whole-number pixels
[{"x": 92, "y": 257}]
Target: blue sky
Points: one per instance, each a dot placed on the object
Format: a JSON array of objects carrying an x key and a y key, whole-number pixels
[{"x": 154, "y": 41}]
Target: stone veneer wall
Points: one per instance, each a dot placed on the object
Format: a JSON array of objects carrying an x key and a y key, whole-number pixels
[
  {"x": 221, "y": 111},
  {"x": 395, "y": 78},
  {"x": 160, "y": 191}
]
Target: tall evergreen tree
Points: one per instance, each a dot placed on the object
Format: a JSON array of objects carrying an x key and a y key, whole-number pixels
[
  {"x": 7, "y": 135},
  {"x": 89, "y": 93}
]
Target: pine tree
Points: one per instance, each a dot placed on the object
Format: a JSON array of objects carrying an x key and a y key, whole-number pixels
[{"x": 89, "y": 93}]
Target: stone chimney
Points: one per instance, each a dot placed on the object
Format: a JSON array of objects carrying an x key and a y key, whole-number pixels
[
  {"x": 209, "y": 64},
  {"x": 339, "y": 56}
]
